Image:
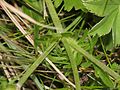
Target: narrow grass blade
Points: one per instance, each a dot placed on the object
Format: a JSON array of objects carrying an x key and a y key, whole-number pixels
[
  {"x": 54, "y": 16},
  {"x": 36, "y": 64},
  {"x": 59, "y": 29},
  {"x": 102, "y": 66},
  {"x": 73, "y": 63},
  {"x": 39, "y": 85},
  {"x": 77, "y": 20}
]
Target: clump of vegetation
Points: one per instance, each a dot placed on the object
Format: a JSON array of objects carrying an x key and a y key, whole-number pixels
[{"x": 59, "y": 44}]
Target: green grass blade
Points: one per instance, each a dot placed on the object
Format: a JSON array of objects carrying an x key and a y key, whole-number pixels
[
  {"x": 106, "y": 69},
  {"x": 73, "y": 64},
  {"x": 37, "y": 82},
  {"x": 54, "y": 16},
  {"x": 76, "y": 21},
  {"x": 107, "y": 58},
  {"x": 59, "y": 27},
  {"x": 36, "y": 64}
]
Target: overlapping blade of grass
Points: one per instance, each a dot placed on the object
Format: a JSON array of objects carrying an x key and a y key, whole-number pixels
[
  {"x": 73, "y": 64},
  {"x": 10, "y": 45},
  {"x": 60, "y": 29},
  {"x": 16, "y": 11},
  {"x": 36, "y": 64},
  {"x": 54, "y": 16},
  {"x": 106, "y": 69},
  {"x": 3, "y": 5},
  {"x": 74, "y": 23},
  {"x": 39, "y": 85}
]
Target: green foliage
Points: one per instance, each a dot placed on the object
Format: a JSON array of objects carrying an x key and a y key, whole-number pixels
[
  {"x": 100, "y": 7},
  {"x": 104, "y": 77},
  {"x": 73, "y": 44},
  {"x": 4, "y": 85},
  {"x": 70, "y": 4},
  {"x": 57, "y": 3},
  {"x": 109, "y": 9},
  {"x": 104, "y": 26},
  {"x": 115, "y": 67},
  {"x": 36, "y": 5}
]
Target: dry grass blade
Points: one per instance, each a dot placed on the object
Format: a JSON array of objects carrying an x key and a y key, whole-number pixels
[
  {"x": 16, "y": 22},
  {"x": 6, "y": 72},
  {"x": 14, "y": 10}
]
